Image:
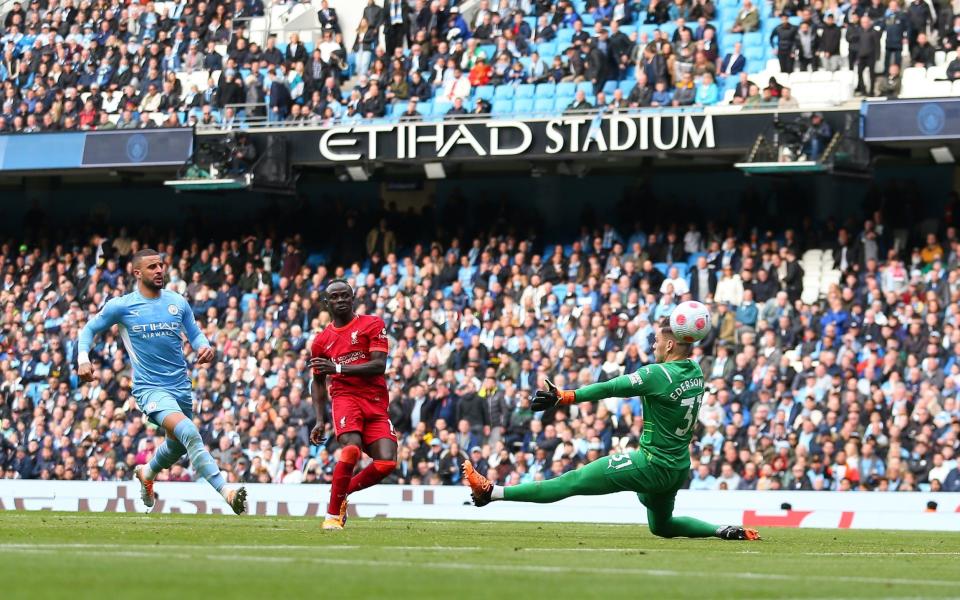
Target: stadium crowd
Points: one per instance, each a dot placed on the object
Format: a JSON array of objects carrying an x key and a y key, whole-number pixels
[
  {"x": 107, "y": 64},
  {"x": 856, "y": 390}
]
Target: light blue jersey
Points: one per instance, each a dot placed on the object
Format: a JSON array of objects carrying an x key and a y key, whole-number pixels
[{"x": 152, "y": 331}]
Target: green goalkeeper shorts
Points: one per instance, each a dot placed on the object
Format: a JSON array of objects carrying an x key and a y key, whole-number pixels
[{"x": 656, "y": 486}]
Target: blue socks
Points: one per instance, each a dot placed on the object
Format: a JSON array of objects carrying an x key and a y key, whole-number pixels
[
  {"x": 202, "y": 462},
  {"x": 166, "y": 456}
]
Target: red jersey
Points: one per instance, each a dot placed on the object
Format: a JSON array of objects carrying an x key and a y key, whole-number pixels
[{"x": 352, "y": 345}]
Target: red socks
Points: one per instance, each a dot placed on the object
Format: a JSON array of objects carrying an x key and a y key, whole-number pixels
[
  {"x": 374, "y": 472},
  {"x": 342, "y": 473}
]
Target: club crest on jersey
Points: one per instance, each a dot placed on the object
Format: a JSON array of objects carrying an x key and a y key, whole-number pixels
[
  {"x": 172, "y": 309},
  {"x": 343, "y": 422},
  {"x": 152, "y": 407},
  {"x": 353, "y": 337}
]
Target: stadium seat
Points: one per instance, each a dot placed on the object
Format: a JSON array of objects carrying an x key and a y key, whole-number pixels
[
  {"x": 543, "y": 105},
  {"x": 565, "y": 36},
  {"x": 524, "y": 90},
  {"x": 523, "y": 105},
  {"x": 441, "y": 108},
  {"x": 627, "y": 85},
  {"x": 488, "y": 50},
  {"x": 504, "y": 92},
  {"x": 586, "y": 87},
  {"x": 561, "y": 103},
  {"x": 662, "y": 267},
  {"x": 799, "y": 77},
  {"x": 937, "y": 73},
  {"x": 566, "y": 88},
  {"x": 484, "y": 91},
  {"x": 608, "y": 87},
  {"x": 754, "y": 53},
  {"x": 546, "y": 90},
  {"x": 502, "y": 107},
  {"x": 547, "y": 49},
  {"x": 754, "y": 38}
]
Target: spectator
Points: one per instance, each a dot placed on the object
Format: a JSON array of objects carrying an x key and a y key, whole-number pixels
[
  {"x": 923, "y": 53},
  {"x": 868, "y": 49},
  {"x": 787, "y": 101},
  {"x": 748, "y": 19},
  {"x": 828, "y": 44},
  {"x": 786, "y": 43},
  {"x": 685, "y": 92},
  {"x": 808, "y": 50},
  {"x": 708, "y": 93},
  {"x": 734, "y": 62},
  {"x": 579, "y": 102}
]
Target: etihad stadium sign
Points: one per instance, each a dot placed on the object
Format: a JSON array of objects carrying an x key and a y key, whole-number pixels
[
  {"x": 496, "y": 138},
  {"x": 722, "y": 133}
]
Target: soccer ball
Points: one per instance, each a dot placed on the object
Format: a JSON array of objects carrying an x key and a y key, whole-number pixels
[{"x": 690, "y": 321}]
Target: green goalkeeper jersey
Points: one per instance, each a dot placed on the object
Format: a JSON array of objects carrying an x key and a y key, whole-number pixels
[{"x": 671, "y": 394}]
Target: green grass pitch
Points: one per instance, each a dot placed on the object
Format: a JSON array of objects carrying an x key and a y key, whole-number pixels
[{"x": 55, "y": 555}]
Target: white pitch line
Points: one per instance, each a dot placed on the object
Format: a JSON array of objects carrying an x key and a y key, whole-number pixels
[
  {"x": 296, "y": 547},
  {"x": 460, "y": 566}
]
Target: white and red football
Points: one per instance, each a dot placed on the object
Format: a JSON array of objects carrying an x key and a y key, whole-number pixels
[{"x": 690, "y": 321}]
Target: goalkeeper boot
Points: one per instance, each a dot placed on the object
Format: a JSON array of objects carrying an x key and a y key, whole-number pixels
[
  {"x": 146, "y": 488},
  {"x": 480, "y": 486},
  {"x": 733, "y": 532}
]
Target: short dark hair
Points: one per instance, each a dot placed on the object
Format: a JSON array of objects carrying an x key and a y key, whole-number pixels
[
  {"x": 665, "y": 328},
  {"x": 142, "y": 254},
  {"x": 338, "y": 280}
]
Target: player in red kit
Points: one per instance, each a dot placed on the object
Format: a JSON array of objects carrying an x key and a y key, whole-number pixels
[{"x": 352, "y": 353}]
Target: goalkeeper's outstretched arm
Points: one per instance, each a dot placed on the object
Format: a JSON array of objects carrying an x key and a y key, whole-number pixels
[{"x": 624, "y": 386}]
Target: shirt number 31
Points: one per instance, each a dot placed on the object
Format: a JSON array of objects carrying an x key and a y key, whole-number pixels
[{"x": 693, "y": 406}]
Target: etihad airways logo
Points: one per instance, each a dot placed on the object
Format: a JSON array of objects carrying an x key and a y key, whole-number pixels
[{"x": 148, "y": 330}]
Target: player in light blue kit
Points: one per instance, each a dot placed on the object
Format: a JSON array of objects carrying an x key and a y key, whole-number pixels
[{"x": 153, "y": 322}]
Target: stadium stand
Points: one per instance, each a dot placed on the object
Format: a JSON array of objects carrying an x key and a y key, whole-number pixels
[
  {"x": 833, "y": 363},
  {"x": 107, "y": 64}
]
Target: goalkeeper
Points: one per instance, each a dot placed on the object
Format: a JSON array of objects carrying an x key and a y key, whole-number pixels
[{"x": 671, "y": 391}]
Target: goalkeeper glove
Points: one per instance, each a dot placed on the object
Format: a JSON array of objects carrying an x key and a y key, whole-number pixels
[{"x": 551, "y": 397}]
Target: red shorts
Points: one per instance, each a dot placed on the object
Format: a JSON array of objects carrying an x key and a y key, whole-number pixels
[{"x": 366, "y": 417}]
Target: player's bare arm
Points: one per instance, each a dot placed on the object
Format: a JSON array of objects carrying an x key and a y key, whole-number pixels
[
  {"x": 377, "y": 365},
  {"x": 318, "y": 392}
]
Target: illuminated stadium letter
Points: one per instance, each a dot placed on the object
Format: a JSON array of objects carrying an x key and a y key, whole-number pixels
[
  {"x": 413, "y": 138},
  {"x": 574, "y": 125},
  {"x": 461, "y": 135},
  {"x": 657, "y": 132},
  {"x": 595, "y": 136},
  {"x": 496, "y": 150},
  {"x": 326, "y": 144},
  {"x": 401, "y": 141},
  {"x": 644, "y": 133},
  {"x": 556, "y": 138},
  {"x": 372, "y": 132},
  {"x": 693, "y": 138},
  {"x": 616, "y": 123}
]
